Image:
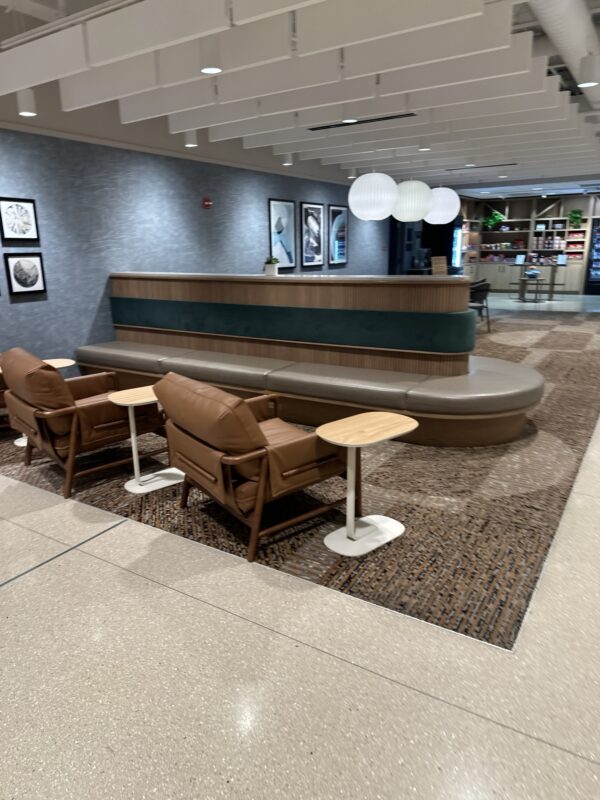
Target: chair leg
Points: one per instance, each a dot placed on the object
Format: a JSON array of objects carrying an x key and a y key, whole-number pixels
[
  {"x": 258, "y": 510},
  {"x": 28, "y": 453},
  {"x": 487, "y": 314},
  {"x": 70, "y": 465},
  {"x": 254, "y": 536},
  {"x": 185, "y": 492},
  {"x": 70, "y": 472}
]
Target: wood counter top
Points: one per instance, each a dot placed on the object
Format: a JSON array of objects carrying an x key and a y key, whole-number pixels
[{"x": 336, "y": 280}]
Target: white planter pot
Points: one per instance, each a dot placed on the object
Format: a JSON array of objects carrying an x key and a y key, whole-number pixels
[{"x": 271, "y": 269}]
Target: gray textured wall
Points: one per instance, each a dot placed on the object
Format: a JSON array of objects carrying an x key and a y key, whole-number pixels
[{"x": 103, "y": 210}]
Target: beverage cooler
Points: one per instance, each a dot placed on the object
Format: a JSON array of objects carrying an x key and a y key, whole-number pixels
[{"x": 592, "y": 278}]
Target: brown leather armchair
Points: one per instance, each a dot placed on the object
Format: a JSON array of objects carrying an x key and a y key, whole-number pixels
[
  {"x": 65, "y": 418},
  {"x": 240, "y": 454}
]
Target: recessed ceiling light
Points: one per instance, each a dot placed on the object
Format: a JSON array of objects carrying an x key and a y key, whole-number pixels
[
  {"x": 536, "y": 188},
  {"x": 503, "y": 176},
  {"x": 484, "y": 192},
  {"x": 470, "y": 165},
  {"x": 211, "y": 70},
  {"x": 349, "y": 121}
]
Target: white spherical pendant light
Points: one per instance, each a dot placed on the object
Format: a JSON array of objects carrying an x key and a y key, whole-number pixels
[
  {"x": 372, "y": 196},
  {"x": 446, "y": 206},
  {"x": 414, "y": 200}
]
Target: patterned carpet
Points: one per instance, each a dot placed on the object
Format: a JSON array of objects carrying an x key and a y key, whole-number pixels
[{"x": 479, "y": 521}]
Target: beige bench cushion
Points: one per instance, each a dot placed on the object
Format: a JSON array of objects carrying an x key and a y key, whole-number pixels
[
  {"x": 128, "y": 355},
  {"x": 224, "y": 368},
  {"x": 492, "y": 386},
  {"x": 374, "y": 387}
]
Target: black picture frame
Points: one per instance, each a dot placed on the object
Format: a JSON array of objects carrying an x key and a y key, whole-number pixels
[
  {"x": 312, "y": 219},
  {"x": 11, "y": 215},
  {"x": 17, "y": 283},
  {"x": 337, "y": 240},
  {"x": 280, "y": 245}
]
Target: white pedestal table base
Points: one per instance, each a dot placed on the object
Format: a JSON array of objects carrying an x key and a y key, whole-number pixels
[{"x": 371, "y": 532}]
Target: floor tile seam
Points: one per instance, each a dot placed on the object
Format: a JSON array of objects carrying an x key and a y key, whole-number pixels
[
  {"x": 354, "y": 664},
  {"x": 59, "y": 541},
  {"x": 56, "y": 555}
]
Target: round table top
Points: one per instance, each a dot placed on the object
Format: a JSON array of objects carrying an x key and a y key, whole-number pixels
[
  {"x": 57, "y": 363},
  {"x": 60, "y": 363},
  {"x": 140, "y": 396},
  {"x": 368, "y": 428}
]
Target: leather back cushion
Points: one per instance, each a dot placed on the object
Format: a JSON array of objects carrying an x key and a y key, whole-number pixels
[
  {"x": 34, "y": 381},
  {"x": 218, "y": 418}
]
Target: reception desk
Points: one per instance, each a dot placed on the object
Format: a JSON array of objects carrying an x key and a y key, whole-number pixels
[{"x": 418, "y": 324}]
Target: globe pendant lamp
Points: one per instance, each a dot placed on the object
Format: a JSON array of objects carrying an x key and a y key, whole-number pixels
[
  {"x": 372, "y": 196},
  {"x": 414, "y": 200},
  {"x": 446, "y": 206}
]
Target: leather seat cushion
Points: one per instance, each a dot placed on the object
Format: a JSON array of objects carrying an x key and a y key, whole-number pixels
[
  {"x": 102, "y": 421},
  {"x": 224, "y": 368},
  {"x": 128, "y": 355},
  {"x": 374, "y": 387},
  {"x": 492, "y": 386}
]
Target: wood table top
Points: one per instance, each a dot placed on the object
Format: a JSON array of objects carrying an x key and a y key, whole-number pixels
[
  {"x": 140, "y": 396},
  {"x": 371, "y": 427},
  {"x": 57, "y": 363}
]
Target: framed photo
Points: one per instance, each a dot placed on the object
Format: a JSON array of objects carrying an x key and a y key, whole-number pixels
[
  {"x": 18, "y": 220},
  {"x": 25, "y": 273},
  {"x": 338, "y": 235},
  {"x": 282, "y": 228},
  {"x": 312, "y": 234}
]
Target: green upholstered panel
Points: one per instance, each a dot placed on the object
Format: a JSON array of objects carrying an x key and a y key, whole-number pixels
[{"x": 399, "y": 330}]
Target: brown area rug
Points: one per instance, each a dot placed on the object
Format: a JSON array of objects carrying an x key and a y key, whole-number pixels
[{"x": 479, "y": 521}]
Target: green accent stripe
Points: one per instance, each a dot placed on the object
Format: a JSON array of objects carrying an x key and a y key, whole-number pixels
[{"x": 399, "y": 330}]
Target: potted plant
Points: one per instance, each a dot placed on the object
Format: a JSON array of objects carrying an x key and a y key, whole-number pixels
[
  {"x": 575, "y": 217},
  {"x": 271, "y": 266},
  {"x": 493, "y": 219}
]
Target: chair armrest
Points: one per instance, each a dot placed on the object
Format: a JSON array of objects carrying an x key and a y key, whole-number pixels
[
  {"x": 301, "y": 453},
  {"x": 58, "y": 412},
  {"x": 264, "y": 406},
  {"x": 233, "y": 461},
  {"x": 90, "y": 385}
]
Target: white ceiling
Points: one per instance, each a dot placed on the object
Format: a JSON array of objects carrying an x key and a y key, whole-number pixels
[{"x": 477, "y": 92}]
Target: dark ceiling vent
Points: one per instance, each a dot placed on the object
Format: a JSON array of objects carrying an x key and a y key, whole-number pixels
[
  {"x": 483, "y": 166},
  {"x": 361, "y": 122}
]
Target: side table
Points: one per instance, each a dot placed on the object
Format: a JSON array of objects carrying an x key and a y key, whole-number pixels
[
  {"x": 130, "y": 399},
  {"x": 360, "y": 536}
]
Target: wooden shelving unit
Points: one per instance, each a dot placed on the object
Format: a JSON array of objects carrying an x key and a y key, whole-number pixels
[{"x": 537, "y": 228}]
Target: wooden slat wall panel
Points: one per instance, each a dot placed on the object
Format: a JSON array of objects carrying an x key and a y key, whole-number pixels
[
  {"x": 401, "y": 361},
  {"x": 421, "y": 294}
]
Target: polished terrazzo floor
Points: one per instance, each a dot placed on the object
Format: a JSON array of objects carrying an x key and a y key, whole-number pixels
[{"x": 136, "y": 664}]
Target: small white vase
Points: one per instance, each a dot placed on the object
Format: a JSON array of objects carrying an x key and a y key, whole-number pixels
[{"x": 271, "y": 269}]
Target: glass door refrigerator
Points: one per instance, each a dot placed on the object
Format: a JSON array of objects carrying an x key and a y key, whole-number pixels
[{"x": 592, "y": 279}]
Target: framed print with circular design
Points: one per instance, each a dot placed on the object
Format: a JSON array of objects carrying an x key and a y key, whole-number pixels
[
  {"x": 18, "y": 220},
  {"x": 25, "y": 273}
]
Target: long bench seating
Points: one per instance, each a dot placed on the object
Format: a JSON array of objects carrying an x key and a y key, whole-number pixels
[{"x": 486, "y": 406}]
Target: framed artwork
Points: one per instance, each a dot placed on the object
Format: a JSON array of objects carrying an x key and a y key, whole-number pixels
[
  {"x": 18, "y": 220},
  {"x": 282, "y": 228},
  {"x": 312, "y": 234},
  {"x": 25, "y": 273},
  {"x": 338, "y": 235}
]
